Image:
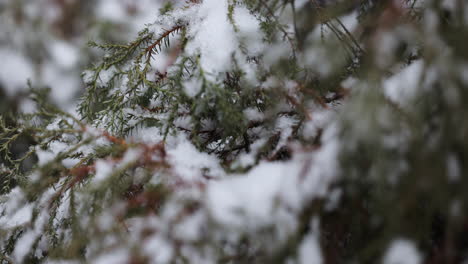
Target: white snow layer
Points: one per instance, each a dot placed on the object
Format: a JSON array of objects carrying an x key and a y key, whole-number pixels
[
  {"x": 214, "y": 38},
  {"x": 310, "y": 251},
  {"x": 403, "y": 86},
  {"x": 402, "y": 251},
  {"x": 191, "y": 164},
  {"x": 15, "y": 212},
  {"x": 15, "y": 70},
  {"x": 254, "y": 199}
]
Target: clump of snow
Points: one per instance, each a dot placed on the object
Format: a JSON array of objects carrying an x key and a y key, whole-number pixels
[
  {"x": 103, "y": 170},
  {"x": 454, "y": 170},
  {"x": 216, "y": 39},
  {"x": 403, "y": 86},
  {"x": 23, "y": 245},
  {"x": 253, "y": 114},
  {"x": 402, "y": 251},
  {"x": 120, "y": 256},
  {"x": 55, "y": 147},
  {"x": 212, "y": 36},
  {"x": 309, "y": 250},
  {"x": 63, "y": 84},
  {"x": 149, "y": 135},
  {"x": 191, "y": 164},
  {"x": 61, "y": 261},
  {"x": 252, "y": 199},
  {"x": 387, "y": 44},
  {"x": 249, "y": 32},
  {"x": 319, "y": 119},
  {"x": 192, "y": 86},
  {"x": 239, "y": 201},
  {"x": 15, "y": 71},
  {"x": 131, "y": 156},
  {"x": 275, "y": 52},
  {"x": 164, "y": 250},
  {"x": 349, "y": 83},
  {"x": 20, "y": 217},
  {"x": 133, "y": 14},
  {"x": 15, "y": 211},
  {"x": 284, "y": 126},
  {"x": 189, "y": 229},
  {"x": 105, "y": 76},
  {"x": 64, "y": 54},
  {"x": 28, "y": 106},
  {"x": 249, "y": 158},
  {"x": 350, "y": 21},
  {"x": 111, "y": 10},
  {"x": 321, "y": 59}
]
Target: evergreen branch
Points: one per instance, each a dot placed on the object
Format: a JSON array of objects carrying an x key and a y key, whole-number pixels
[
  {"x": 271, "y": 15},
  {"x": 158, "y": 42}
]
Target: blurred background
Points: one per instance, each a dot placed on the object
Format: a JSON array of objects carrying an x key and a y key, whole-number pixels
[{"x": 46, "y": 42}]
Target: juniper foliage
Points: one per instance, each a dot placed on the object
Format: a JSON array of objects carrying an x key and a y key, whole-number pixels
[{"x": 331, "y": 128}]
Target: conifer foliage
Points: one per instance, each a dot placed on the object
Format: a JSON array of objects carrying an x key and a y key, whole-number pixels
[{"x": 251, "y": 131}]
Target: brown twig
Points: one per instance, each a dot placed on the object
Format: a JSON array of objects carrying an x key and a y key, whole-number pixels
[{"x": 159, "y": 40}]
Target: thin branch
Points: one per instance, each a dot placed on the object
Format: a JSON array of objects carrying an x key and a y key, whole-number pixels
[{"x": 159, "y": 40}]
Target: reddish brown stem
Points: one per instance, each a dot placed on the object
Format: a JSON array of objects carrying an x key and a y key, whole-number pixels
[{"x": 158, "y": 41}]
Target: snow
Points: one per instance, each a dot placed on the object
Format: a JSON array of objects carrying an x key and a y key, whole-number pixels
[
  {"x": 55, "y": 147},
  {"x": 189, "y": 228},
  {"x": 454, "y": 170},
  {"x": 133, "y": 14},
  {"x": 24, "y": 245},
  {"x": 284, "y": 125},
  {"x": 275, "y": 52},
  {"x": 209, "y": 34},
  {"x": 112, "y": 10},
  {"x": 309, "y": 250},
  {"x": 449, "y": 4},
  {"x": 388, "y": 43},
  {"x": 15, "y": 70},
  {"x": 402, "y": 251},
  {"x": 319, "y": 119},
  {"x": 149, "y": 135},
  {"x": 106, "y": 168},
  {"x": 105, "y": 76},
  {"x": 319, "y": 177},
  {"x": 164, "y": 250},
  {"x": 15, "y": 198},
  {"x": 65, "y": 54},
  {"x": 54, "y": 61},
  {"x": 249, "y": 32},
  {"x": 350, "y": 21},
  {"x": 190, "y": 164},
  {"x": 248, "y": 158},
  {"x": 131, "y": 156},
  {"x": 120, "y": 256},
  {"x": 403, "y": 86},
  {"x": 54, "y": 261},
  {"x": 318, "y": 58},
  {"x": 28, "y": 106},
  {"x": 238, "y": 201},
  {"x": 253, "y": 114},
  {"x": 103, "y": 171},
  {"x": 16, "y": 211},
  {"x": 192, "y": 86},
  {"x": 300, "y": 3},
  {"x": 19, "y": 218}
]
